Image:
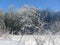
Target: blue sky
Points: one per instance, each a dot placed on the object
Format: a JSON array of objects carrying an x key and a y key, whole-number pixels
[{"x": 52, "y": 4}]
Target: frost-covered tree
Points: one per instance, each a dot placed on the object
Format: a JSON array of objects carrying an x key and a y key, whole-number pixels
[{"x": 29, "y": 20}]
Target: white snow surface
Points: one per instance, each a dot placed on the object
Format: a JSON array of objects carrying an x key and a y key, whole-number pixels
[
  {"x": 7, "y": 39},
  {"x": 8, "y": 42}
]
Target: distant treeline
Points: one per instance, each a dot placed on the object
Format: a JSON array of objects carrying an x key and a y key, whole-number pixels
[{"x": 30, "y": 20}]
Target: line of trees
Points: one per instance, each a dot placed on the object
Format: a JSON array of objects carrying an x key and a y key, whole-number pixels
[{"x": 30, "y": 20}]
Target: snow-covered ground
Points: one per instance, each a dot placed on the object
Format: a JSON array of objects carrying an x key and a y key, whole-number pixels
[
  {"x": 9, "y": 42},
  {"x": 7, "y": 39}
]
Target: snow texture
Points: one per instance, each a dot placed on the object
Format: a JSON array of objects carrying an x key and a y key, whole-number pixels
[
  {"x": 9, "y": 42},
  {"x": 30, "y": 40}
]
